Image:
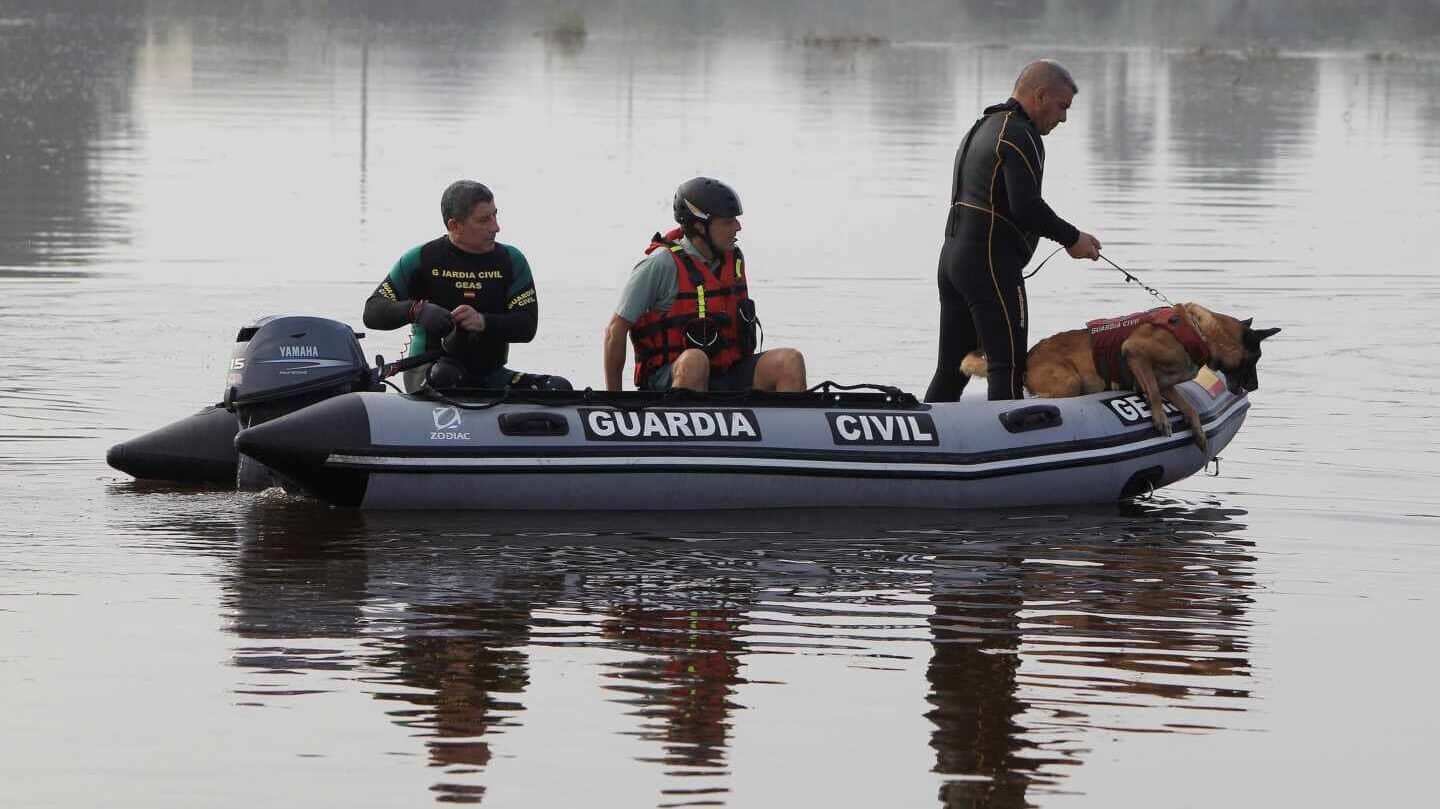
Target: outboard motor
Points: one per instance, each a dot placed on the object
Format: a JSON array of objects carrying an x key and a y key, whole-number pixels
[{"x": 283, "y": 363}]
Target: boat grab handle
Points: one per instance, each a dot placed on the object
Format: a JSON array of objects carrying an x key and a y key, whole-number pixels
[
  {"x": 534, "y": 423},
  {"x": 1034, "y": 417}
]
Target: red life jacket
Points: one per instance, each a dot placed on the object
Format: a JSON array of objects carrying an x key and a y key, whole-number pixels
[
  {"x": 1108, "y": 334},
  {"x": 660, "y": 338}
]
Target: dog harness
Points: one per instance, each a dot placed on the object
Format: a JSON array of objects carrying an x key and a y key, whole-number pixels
[
  {"x": 703, "y": 316},
  {"x": 1107, "y": 335}
]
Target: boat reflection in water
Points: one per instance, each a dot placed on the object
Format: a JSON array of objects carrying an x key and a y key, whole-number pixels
[{"x": 1043, "y": 628}]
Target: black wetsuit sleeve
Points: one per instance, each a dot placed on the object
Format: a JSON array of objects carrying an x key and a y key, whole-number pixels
[
  {"x": 388, "y": 307},
  {"x": 1021, "y": 165},
  {"x": 385, "y": 314},
  {"x": 521, "y": 316},
  {"x": 514, "y": 326}
]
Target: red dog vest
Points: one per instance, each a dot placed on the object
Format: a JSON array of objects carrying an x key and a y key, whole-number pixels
[{"x": 1108, "y": 334}]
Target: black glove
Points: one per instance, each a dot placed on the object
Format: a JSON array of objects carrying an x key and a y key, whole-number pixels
[
  {"x": 433, "y": 319},
  {"x": 457, "y": 341}
]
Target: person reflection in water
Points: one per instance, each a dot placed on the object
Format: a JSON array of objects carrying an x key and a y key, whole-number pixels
[
  {"x": 466, "y": 670},
  {"x": 465, "y": 293},
  {"x": 684, "y": 686},
  {"x": 997, "y": 217},
  {"x": 973, "y": 684},
  {"x": 1031, "y": 659}
]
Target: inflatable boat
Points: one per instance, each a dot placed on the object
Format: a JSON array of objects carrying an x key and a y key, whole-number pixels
[{"x": 328, "y": 429}]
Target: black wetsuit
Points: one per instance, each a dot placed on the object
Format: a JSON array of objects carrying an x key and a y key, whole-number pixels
[
  {"x": 497, "y": 284},
  {"x": 996, "y": 219}
]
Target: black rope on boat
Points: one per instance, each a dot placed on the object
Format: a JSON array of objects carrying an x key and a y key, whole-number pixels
[
  {"x": 892, "y": 393},
  {"x": 510, "y": 396},
  {"x": 829, "y": 386},
  {"x": 1216, "y": 462},
  {"x": 436, "y": 396},
  {"x": 668, "y": 398},
  {"x": 385, "y": 370},
  {"x": 825, "y": 394}
]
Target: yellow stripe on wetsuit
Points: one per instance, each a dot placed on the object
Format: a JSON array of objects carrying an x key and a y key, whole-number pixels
[{"x": 990, "y": 255}]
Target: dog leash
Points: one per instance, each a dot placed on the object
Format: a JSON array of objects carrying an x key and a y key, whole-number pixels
[
  {"x": 1031, "y": 274},
  {"x": 1129, "y": 276}
]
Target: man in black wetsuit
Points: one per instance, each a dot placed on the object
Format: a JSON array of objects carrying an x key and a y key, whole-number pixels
[
  {"x": 997, "y": 217},
  {"x": 464, "y": 293}
]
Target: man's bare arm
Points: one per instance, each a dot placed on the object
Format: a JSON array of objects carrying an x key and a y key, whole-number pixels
[{"x": 616, "y": 333}]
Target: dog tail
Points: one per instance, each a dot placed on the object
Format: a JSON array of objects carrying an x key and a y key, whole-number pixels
[{"x": 974, "y": 364}]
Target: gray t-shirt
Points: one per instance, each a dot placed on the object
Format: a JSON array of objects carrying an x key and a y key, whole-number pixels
[{"x": 652, "y": 285}]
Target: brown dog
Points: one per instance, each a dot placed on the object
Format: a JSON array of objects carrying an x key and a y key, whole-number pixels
[{"x": 1157, "y": 350}]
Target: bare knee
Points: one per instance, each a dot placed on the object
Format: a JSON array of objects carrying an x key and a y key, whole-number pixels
[
  {"x": 691, "y": 370},
  {"x": 781, "y": 369}
]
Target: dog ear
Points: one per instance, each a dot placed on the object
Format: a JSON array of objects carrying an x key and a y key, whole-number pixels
[
  {"x": 1247, "y": 321},
  {"x": 1252, "y": 337}
]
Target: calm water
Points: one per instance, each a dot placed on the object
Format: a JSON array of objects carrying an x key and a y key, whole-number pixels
[{"x": 1264, "y": 637}]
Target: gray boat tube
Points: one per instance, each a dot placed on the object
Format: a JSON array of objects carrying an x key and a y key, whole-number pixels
[{"x": 586, "y": 450}]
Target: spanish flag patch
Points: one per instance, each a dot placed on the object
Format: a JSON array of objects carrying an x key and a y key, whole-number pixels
[{"x": 1210, "y": 381}]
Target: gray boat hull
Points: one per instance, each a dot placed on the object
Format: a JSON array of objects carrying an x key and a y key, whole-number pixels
[{"x": 381, "y": 451}]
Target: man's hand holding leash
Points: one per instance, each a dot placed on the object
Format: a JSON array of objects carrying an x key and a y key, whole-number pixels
[{"x": 1086, "y": 246}]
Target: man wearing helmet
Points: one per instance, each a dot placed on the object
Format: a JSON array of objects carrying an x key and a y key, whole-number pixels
[{"x": 687, "y": 307}]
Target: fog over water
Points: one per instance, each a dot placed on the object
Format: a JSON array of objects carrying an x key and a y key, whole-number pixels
[{"x": 171, "y": 170}]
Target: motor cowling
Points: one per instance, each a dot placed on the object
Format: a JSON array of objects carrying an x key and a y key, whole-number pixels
[{"x": 282, "y": 363}]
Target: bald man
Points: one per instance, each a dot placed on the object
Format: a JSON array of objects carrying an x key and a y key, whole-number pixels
[{"x": 997, "y": 218}]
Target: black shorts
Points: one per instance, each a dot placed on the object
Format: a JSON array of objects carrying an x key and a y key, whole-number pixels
[{"x": 740, "y": 376}]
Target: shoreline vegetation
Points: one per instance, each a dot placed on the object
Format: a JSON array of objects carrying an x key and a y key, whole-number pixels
[
  {"x": 842, "y": 41},
  {"x": 567, "y": 29}
]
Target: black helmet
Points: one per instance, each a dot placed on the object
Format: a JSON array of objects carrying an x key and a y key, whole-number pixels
[{"x": 698, "y": 199}]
